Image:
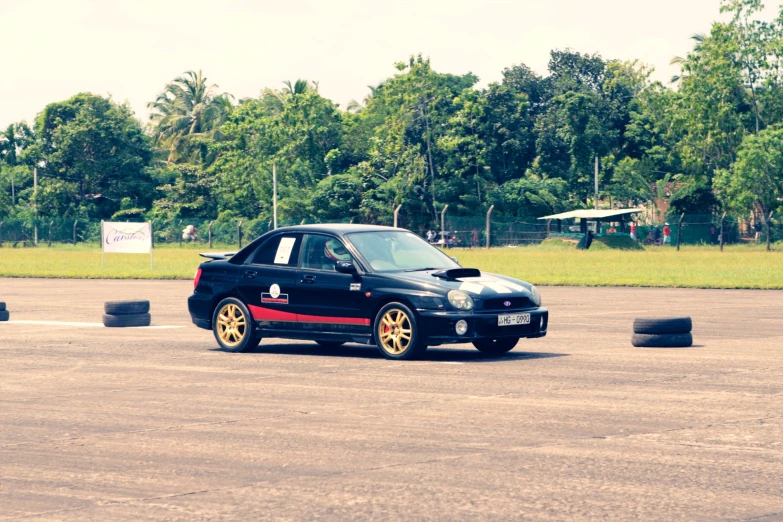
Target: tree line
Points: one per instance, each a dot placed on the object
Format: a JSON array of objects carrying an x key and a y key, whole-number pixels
[{"x": 709, "y": 140}]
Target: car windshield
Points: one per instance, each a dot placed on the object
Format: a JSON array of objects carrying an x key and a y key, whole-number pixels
[{"x": 399, "y": 250}]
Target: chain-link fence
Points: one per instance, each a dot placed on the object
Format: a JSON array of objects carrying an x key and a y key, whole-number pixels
[
  {"x": 15, "y": 232},
  {"x": 471, "y": 231},
  {"x": 458, "y": 231},
  {"x": 69, "y": 231}
]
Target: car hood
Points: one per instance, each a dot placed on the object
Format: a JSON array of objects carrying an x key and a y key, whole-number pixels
[{"x": 485, "y": 286}]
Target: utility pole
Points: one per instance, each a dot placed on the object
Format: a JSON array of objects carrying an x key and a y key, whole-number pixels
[
  {"x": 274, "y": 195},
  {"x": 35, "y": 197},
  {"x": 596, "y": 183},
  {"x": 443, "y": 225}
]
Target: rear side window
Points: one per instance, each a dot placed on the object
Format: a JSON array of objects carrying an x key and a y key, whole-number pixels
[{"x": 282, "y": 250}]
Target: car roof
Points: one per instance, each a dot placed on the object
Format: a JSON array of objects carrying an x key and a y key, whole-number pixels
[{"x": 338, "y": 228}]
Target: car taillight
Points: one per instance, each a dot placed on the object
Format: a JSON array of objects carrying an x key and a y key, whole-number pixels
[{"x": 195, "y": 279}]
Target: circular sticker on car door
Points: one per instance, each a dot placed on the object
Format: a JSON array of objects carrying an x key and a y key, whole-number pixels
[{"x": 274, "y": 291}]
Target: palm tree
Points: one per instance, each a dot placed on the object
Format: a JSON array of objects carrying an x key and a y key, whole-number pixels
[
  {"x": 13, "y": 140},
  {"x": 274, "y": 101},
  {"x": 187, "y": 107},
  {"x": 686, "y": 63},
  {"x": 300, "y": 87},
  {"x": 356, "y": 107}
]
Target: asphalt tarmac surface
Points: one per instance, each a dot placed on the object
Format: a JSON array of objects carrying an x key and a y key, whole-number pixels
[{"x": 158, "y": 424}]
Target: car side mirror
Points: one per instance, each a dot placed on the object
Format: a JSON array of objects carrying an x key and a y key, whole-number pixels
[
  {"x": 345, "y": 267},
  {"x": 455, "y": 260}
]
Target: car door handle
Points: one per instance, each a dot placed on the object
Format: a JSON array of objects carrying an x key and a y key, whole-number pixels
[
  {"x": 307, "y": 279},
  {"x": 250, "y": 274}
]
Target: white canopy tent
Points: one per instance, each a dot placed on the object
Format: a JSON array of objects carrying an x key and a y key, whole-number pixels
[{"x": 602, "y": 215}]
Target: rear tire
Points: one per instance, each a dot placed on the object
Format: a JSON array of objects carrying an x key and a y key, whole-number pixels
[
  {"x": 126, "y": 320},
  {"x": 496, "y": 346},
  {"x": 234, "y": 327},
  {"x": 397, "y": 333},
  {"x": 331, "y": 345}
]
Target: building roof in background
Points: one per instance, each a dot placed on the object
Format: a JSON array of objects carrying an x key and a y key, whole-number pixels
[{"x": 594, "y": 214}]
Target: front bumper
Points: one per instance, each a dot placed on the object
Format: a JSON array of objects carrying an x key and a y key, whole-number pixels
[{"x": 439, "y": 326}]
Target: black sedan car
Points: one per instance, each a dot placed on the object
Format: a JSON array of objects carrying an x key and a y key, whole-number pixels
[{"x": 334, "y": 284}]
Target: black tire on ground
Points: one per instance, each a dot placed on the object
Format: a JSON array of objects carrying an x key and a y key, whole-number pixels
[
  {"x": 126, "y": 307},
  {"x": 330, "y": 344},
  {"x": 125, "y": 320},
  {"x": 4, "y": 315},
  {"x": 2, "y": 306},
  {"x": 682, "y": 340},
  {"x": 415, "y": 346},
  {"x": 496, "y": 346},
  {"x": 249, "y": 341},
  {"x": 668, "y": 325}
]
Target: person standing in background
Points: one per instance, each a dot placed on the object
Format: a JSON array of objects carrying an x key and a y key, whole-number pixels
[
  {"x": 667, "y": 234},
  {"x": 633, "y": 230}
]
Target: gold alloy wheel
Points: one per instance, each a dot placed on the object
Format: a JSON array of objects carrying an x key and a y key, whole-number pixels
[
  {"x": 231, "y": 325},
  {"x": 395, "y": 331}
]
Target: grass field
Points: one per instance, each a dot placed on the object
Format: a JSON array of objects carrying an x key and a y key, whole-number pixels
[{"x": 553, "y": 264}]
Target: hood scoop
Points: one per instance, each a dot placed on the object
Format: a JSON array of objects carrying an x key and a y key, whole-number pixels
[{"x": 457, "y": 273}]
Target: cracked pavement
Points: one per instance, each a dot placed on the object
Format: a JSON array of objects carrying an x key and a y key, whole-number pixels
[{"x": 138, "y": 424}]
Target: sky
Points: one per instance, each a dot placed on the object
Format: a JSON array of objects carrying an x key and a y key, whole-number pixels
[{"x": 130, "y": 50}]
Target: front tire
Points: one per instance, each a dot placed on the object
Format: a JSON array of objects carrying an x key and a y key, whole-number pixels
[
  {"x": 232, "y": 325},
  {"x": 496, "y": 346},
  {"x": 397, "y": 333}
]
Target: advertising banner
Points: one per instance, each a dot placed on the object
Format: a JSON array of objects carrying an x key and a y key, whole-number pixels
[{"x": 127, "y": 238}]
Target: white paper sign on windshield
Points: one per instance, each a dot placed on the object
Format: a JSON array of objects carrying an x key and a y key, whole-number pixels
[
  {"x": 284, "y": 250},
  {"x": 127, "y": 238}
]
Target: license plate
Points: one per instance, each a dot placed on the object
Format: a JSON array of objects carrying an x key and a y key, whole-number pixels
[{"x": 513, "y": 319}]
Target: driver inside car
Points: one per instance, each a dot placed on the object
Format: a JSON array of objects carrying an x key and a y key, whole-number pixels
[{"x": 332, "y": 252}]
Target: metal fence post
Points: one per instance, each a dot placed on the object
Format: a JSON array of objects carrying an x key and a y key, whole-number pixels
[
  {"x": 74, "y": 232},
  {"x": 239, "y": 233},
  {"x": 1, "y": 233},
  {"x": 50, "y": 232},
  {"x": 722, "y": 231},
  {"x": 179, "y": 234},
  {"x": 489, "y": 213},
  {"x": 396, "y": 214},
  {"x": 768, "y": 225},
  {"x": 679, "y": 231},
  {"x": 443, "y": 225},
  {"x": 209, "y": 233}
]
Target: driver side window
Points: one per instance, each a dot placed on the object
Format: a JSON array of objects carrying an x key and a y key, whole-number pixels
[{"x": 322, "y": 252}]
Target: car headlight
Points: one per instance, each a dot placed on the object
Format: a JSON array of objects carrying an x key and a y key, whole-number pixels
[
  {"x": 535, "y": 296},
  {"x": 460, "y": 300}
]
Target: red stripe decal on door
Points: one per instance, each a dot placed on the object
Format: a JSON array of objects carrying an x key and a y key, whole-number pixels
[{"x": 267, "y": 314}]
